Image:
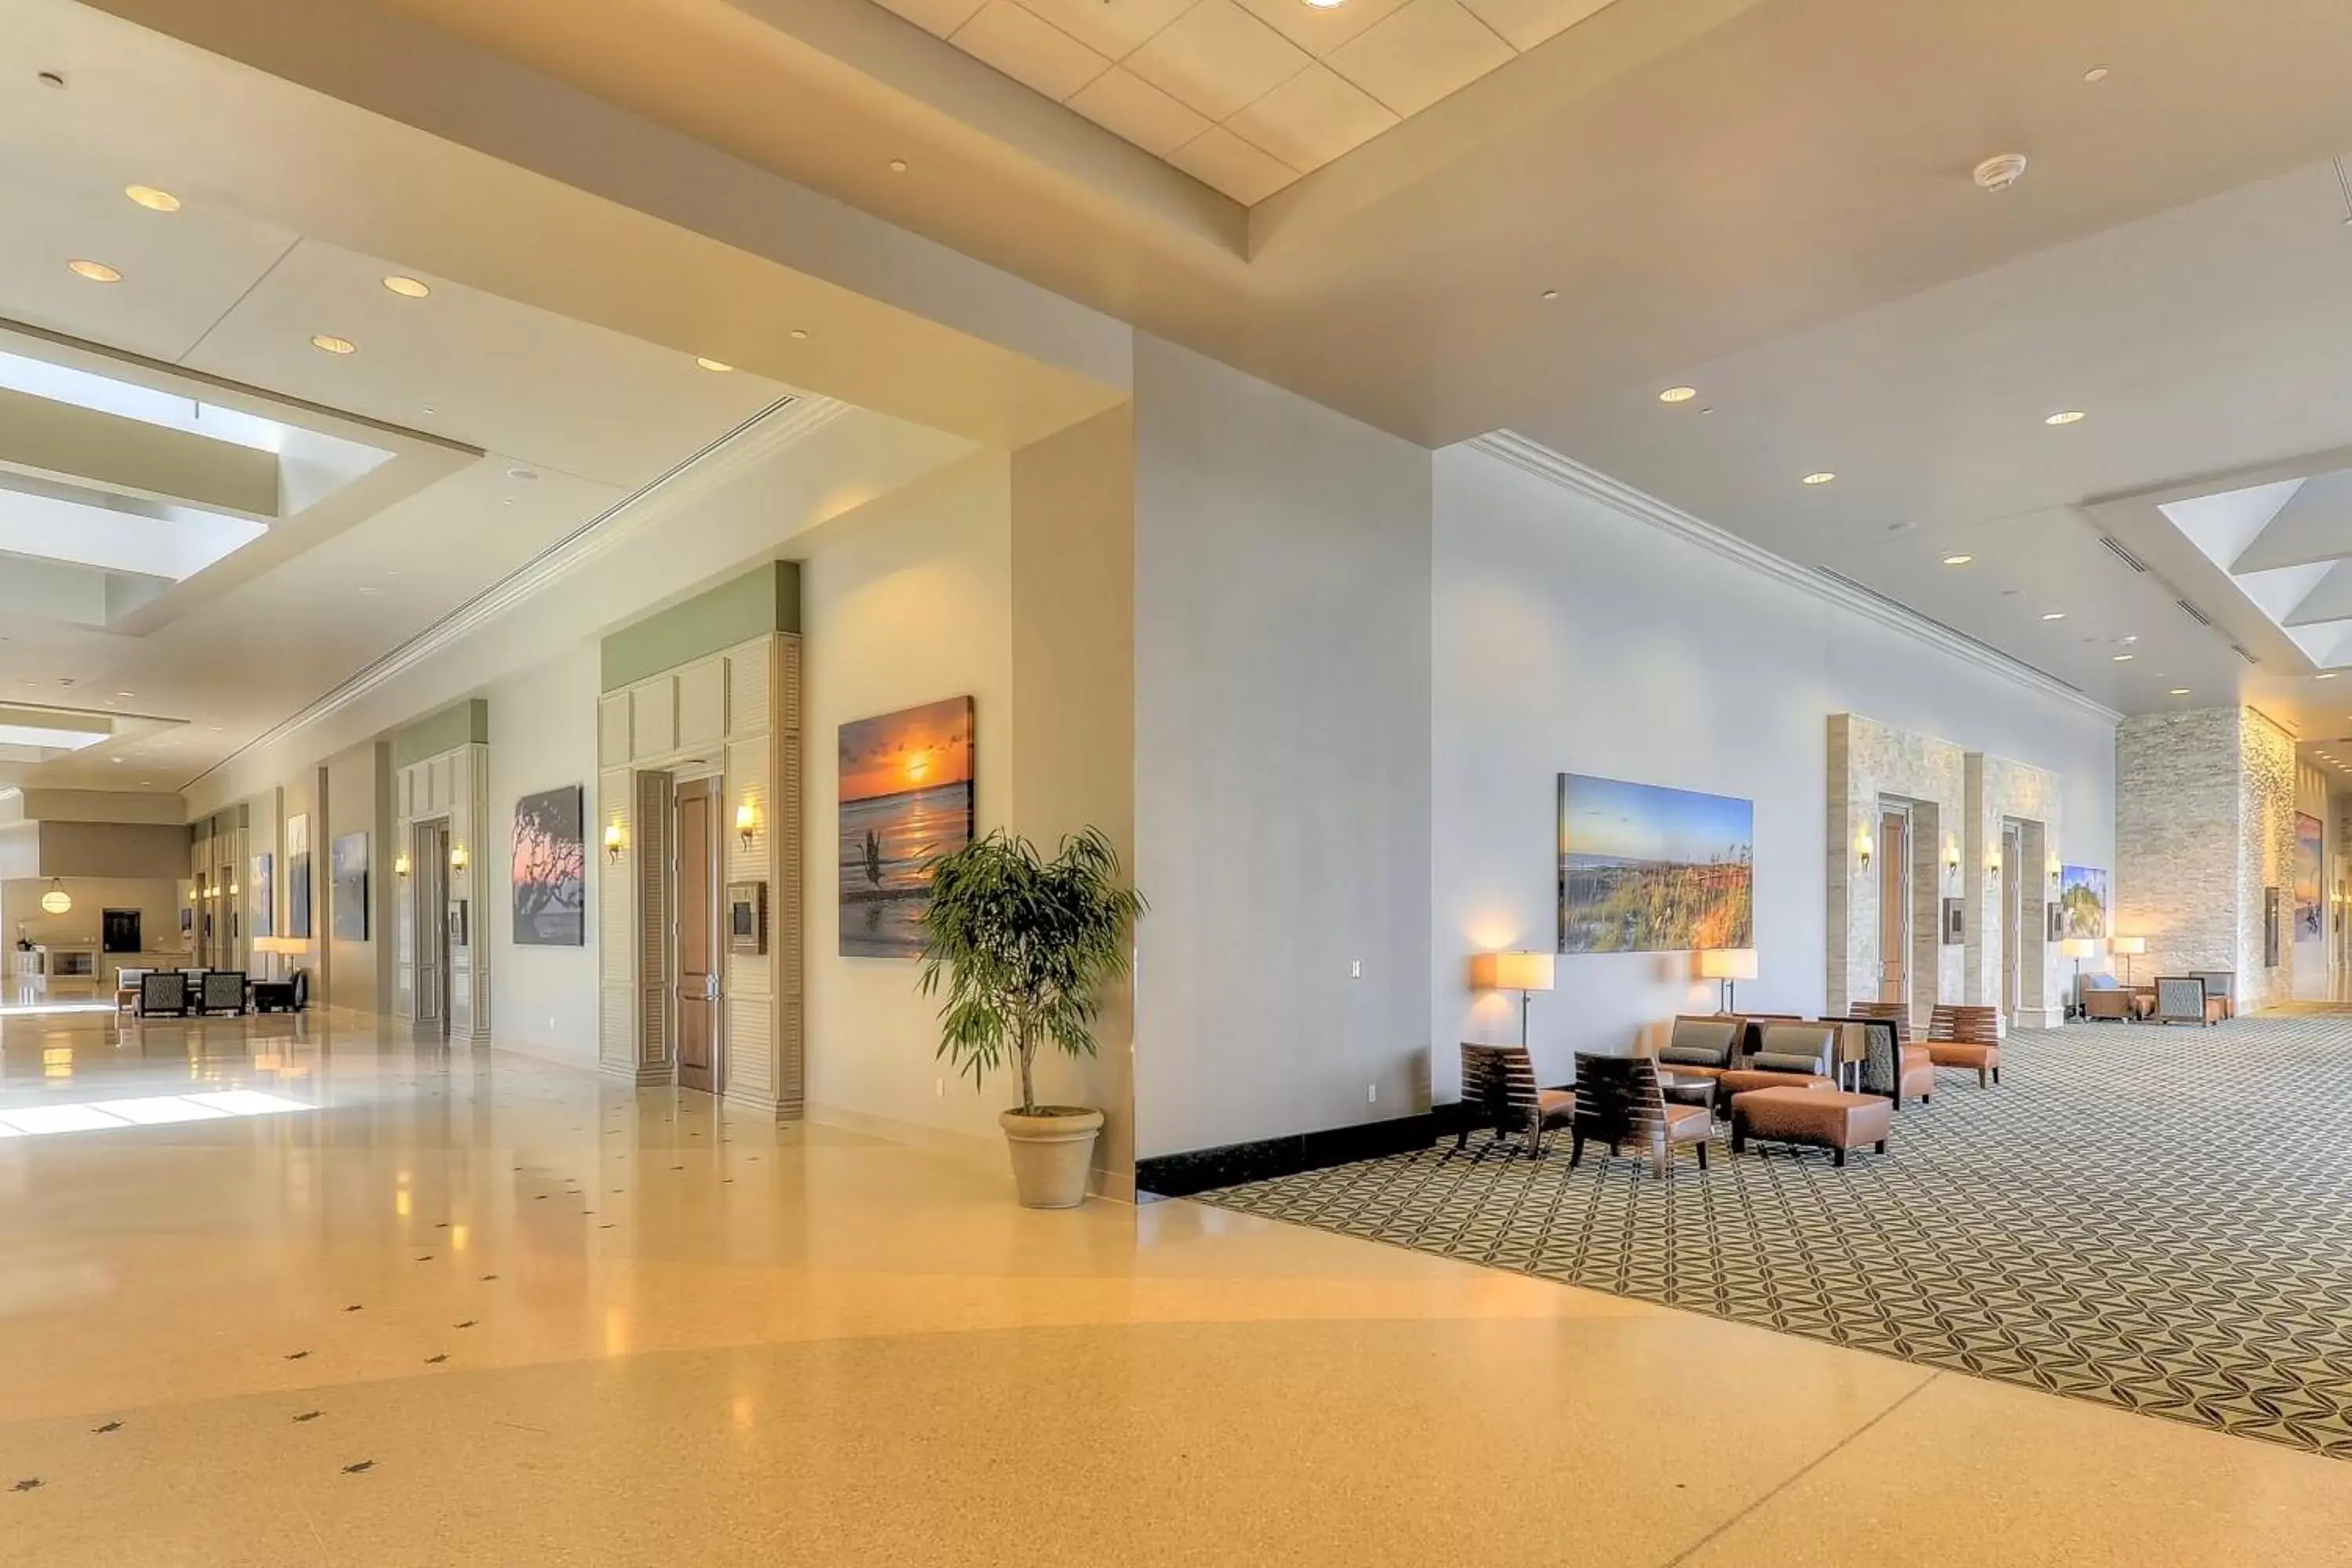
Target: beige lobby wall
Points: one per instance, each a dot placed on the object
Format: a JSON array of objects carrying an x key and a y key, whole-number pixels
[
  {"x": 1074, "y": 671},
  {"x": 358, "y": 975},
  {"x": 157, "y": 899},
  {"x": 904, "y": 601}
]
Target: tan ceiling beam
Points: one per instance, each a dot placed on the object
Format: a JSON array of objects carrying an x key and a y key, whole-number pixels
[{"x": 80, "y": 445}]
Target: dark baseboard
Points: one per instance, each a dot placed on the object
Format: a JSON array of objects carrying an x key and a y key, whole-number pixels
[{"x": 1200, "y": 1170}]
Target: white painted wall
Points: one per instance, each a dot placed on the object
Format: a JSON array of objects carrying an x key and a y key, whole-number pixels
[
  {"x": 1282, "y": 707},
  {"x": 1573, "y": 637},
  {"x": 542, "y": 736},
  {"x": 907, "y": 600}
]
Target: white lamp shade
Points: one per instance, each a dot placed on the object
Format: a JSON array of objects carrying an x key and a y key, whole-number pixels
[
  {"x": 2078, "y": 947},
  {"x": 1511, "y": 971},
  {"x": 2134, "y": 945},
  {"x": 1727, "y": 963}
]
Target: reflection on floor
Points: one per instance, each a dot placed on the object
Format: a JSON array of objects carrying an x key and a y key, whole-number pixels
[
  {"x": 482, "y": 1309},
  {"x": 2153, "y": 1218}
]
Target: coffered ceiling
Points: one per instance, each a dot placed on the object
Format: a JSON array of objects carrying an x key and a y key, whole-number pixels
[{"x": 1247, "y": 97}]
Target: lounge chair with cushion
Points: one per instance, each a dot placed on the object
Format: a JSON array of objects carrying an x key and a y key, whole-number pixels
[
  {"x": 2105, "y": 998},
  {"x": 1499, "y": 1092},
  {"x": 1968, "y": 1037},
  {"x": 1785, "y": 1056},
  {"x": 1618, "y": 1101},
  {"x": 1704, "y": 1047}
]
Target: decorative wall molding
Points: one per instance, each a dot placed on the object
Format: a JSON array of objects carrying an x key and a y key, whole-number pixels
[
  {"x": 1567, "y": 472},
  {"x": 781, "y": 424}
]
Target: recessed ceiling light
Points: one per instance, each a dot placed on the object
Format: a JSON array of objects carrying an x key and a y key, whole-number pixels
[
  {"x": 153, "y": 200},
  {"x": 126, "y": 694},
  {"x": 2123, "y": 658},
  {"x": 408, "y": 288},
  {"x": 1678, "y": 394},
  {"x": 2054, "y": 614},
  {"x": 1326, "y": 4},
  {"x": 2324, "y": 675},
  {"x": 95, "y": 271},
  {"x": 1548, "y": 293},
  {"x": 367, "y": 590},
  {"x": 798, "y": 334},
  {"x": 53, "y": 78},
  {"x": 2065, "y": 416},
  {"x": 1822, "y": 477},
  {"x": 898, "y": 165},
  {"x": 1957, "y": 560},
  {"x": 521, "y": 474},
  {"x": 720, "y": 365},
  {"x": 334, "y": 345},
  {"x": 2096, "y": 73},
  {"x": 2180, "y": 691}
]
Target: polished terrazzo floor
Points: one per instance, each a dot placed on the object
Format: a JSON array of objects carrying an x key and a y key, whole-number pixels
[
  {"x": 483, "y": 1308},
  {"x": 2158, "y": 1219}
]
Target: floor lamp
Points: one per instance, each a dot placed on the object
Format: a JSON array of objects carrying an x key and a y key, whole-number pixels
[
  {"x": 1730, "y": 965},
  {"x": 2129, "y": 947},
  {"x": 2078, "y": 948},
  {"x": 1524, "y": 973}
]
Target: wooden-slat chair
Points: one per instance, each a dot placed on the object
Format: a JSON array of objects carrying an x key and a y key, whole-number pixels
[
  {"x": 1618, "y": 1101},
  {"x": 1895, "y": 1013},
  {"x": 1966, "y": 1036},
  {"x": 1499, "y": 1091}
]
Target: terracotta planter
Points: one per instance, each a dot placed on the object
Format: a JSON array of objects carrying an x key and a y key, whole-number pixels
[{"x": 1052, "y": 1153}]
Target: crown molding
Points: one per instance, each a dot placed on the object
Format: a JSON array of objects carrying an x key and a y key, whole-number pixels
[
  {"x": 1536, "y": 459},
  {"x": 781, "y": 424}
]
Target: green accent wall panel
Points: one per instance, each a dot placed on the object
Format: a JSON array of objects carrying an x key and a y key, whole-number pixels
[
  {"x": 459, "y": 724},
  {"x": 764, "y": 599}
]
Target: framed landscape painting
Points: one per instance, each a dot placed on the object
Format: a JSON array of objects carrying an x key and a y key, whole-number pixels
[
  {"x": 551, "y": 869},
  {"x": 906, "y": 799},
  {"x": 265, "y": 894},
  {"x": 1644, "y": 869},
  {"x": 2308, "y": 872},
  {"x": 347, "y": 887},
  {"x": 297, "y": 876},
  {"x": 2083, "y": 900}
]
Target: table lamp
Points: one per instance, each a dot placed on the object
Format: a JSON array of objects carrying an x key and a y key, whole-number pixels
[
  {"x": 2078, "y": 948},
  {"x": 1730, "y": 965},
  {"x": 2129, "y": 947},
  {"x": 1524, "y": 973}
]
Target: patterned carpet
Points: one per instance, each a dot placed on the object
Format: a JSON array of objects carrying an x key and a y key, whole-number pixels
[{"x": 2154, "y": 1219}]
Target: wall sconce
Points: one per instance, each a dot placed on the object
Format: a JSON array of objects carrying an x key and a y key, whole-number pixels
[
  {"x": 1952, "y": 856},
  {"x": 747, "y": 821},
  {"x": 399, "y": 866},
  {"x": 2054, "y": 870},
  {"x": 458, "y": 860},
  {"x": 1862, "y": 847},
  {"x": 613, "y": 840},
  {"x": 232, "y": 890},
  {"x": 1992, "y": 863}
]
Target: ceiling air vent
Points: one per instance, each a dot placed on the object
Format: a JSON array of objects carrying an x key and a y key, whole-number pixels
[
  {"x": 2240, "y": 649},
  {"x": 2120, "y": 553},
  {"x": 2193, "y": 612}
]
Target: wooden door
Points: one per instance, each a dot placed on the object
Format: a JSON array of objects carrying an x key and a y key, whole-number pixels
[
  {"x": 697, "y": 868},
  {"x": 2012, "y": 920},
  {"x": 1894, "y": 903}
]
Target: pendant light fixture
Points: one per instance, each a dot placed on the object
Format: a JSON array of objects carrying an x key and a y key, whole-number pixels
[{"x": 57, "y": 901}]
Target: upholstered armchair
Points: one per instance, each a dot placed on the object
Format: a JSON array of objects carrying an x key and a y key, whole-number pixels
[
  {"x": 1499, "y": 1092},
  {"x": 1967, "y": 1036},
  {"x": 1782, "y": 1055},
  {"x": 2183, "y": 999},
  {"x": 2220, "y": 985},
  {"x": 1707, "y": 1048},
  {"x": 1618, "y": 1101}
]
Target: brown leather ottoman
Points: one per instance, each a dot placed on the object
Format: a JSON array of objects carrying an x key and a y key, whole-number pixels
[{"x": 1825, "y": 1117}]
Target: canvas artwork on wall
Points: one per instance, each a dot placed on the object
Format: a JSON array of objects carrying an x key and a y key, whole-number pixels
[
  {"x": 348, "y": 898},
  {"x": 265, "y": 894},
  {"x": 906, "y": 799},
  {"x": 1648, "y": 869},
  {"x": 551, "y": 869},
  {"x": 297, "y": 876},
  {"x": 2082, "y": 901},
  {"x": 2309, "y": 871}
]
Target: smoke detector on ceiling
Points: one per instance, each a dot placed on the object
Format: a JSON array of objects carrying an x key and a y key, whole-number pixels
[{"x": 1998, "y": 173}]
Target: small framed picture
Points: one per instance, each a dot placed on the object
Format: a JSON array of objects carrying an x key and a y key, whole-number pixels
[{"x": 747, "y": 917}]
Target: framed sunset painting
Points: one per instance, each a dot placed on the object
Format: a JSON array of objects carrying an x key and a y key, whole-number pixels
[
  {"x": 906, "y": 799},
  {"x": 1643, "y": 868}
]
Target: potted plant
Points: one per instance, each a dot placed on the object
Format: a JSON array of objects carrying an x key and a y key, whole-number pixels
[{"x": 1026, "y": 947}]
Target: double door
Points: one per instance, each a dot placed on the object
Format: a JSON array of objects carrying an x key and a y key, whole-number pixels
[{"x": 695, "y": 873}]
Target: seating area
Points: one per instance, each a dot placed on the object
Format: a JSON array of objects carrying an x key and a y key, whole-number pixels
[{"x": 207, "y": 993}]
